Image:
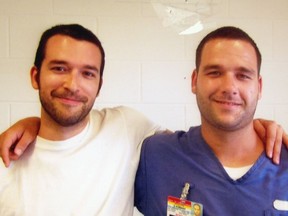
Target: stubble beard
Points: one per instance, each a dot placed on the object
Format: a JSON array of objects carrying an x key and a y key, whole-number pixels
[
  {"x": 66, "y": 117},
  {"x": 238, "y": 121}
]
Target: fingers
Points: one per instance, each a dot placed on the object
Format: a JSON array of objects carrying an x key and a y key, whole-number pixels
[
  {"x": 4, "y": 152},
  {"x": 12, "y": 151},
  {"x": 6, "y": 145},
  {"x": 15, "y": 139},
  {"x": 277, "y": 144},
  {"x": 272, "y": 144},
  {"x": 17, "y": 149},
  {"x": 7, "y": 158},
  {"x": 285, "y": 138},
  {"x": 21, "y": 145},
  {"x": 261, "y": 131},
  {"x": 272, "y": 135},
  {"x": 275, "y": 137}
]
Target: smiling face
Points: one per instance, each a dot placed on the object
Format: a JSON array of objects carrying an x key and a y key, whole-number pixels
[
  {"x": 69, "y": 80},
  {"x": 227, "y": 84}
]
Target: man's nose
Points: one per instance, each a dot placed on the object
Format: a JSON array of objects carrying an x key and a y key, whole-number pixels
[
  {"x": 71, "y": 81},
  {"x": 229, "y": 84}
]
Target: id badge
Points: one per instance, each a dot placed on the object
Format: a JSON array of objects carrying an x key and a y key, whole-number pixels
[
  {"x": 180, "y": 207},
  {"x": 183, "y": 207}
]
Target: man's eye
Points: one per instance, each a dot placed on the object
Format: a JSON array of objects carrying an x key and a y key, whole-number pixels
[
  {"x": 244, "y": 76},
  {"x": 89, "y": 74},
  {"x": 214, "y": 73},
  {"x": 59, "y": 69}
]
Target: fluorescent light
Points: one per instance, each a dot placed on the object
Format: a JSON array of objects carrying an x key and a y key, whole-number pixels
[{"x": 197, "y": 27}]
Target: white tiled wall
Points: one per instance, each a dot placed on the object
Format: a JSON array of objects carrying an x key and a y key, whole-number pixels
[{"x": 148, "y": 66}]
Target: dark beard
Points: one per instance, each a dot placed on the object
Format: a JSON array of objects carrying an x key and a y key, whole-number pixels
[{"x": 64, "y": 119}]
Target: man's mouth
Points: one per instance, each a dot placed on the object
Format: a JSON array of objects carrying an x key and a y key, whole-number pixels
[
  {"x": 70, "y": 98},
  {"x": 229, "y": 103}
]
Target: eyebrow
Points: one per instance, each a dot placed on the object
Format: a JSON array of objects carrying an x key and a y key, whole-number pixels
[
  {"x": 209, "y": 67},
  {"x": 62, "y": 62},
  {"x": 239, "y": 69}
]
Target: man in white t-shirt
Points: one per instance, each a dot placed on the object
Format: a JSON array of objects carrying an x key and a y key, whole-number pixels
[{"x": 68, "y": 171}]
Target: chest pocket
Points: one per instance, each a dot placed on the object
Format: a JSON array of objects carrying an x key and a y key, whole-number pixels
[{"x": 275, "y": 213}]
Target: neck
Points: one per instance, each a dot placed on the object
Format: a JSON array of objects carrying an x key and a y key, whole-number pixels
[
  {"x": 237, "y": 148},
  {"x": 51, "y": 130}
]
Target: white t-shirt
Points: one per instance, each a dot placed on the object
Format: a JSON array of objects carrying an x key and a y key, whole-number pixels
[
  {"x": 90, "y": 174},
  {"x": 237, "y": 172}
]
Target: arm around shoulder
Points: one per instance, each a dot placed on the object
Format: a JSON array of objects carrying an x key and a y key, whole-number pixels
[
  {"x": 17, "y": 138},
  {"x": 273, "y": 135}
]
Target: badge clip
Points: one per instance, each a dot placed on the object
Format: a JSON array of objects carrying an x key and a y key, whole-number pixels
[{"x": 185, "y": 191}]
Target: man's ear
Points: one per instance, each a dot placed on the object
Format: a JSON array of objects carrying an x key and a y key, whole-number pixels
[
  {"x": 100, "y": 86},
  {"x": 260, "y": 87},
  {"x": 194, "y": 81},
  {"x": 34, "y": 76}
]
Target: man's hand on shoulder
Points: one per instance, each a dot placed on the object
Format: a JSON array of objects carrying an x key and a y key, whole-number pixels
[{"x": 17, "y": 138}]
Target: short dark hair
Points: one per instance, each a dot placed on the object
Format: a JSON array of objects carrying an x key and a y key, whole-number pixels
[
  {"x": 75, "y": 31},
  {"x": 227, "y": 32}
]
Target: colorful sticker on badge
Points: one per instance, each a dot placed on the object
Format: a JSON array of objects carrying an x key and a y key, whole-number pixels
[{"x": 180, "y": 207}]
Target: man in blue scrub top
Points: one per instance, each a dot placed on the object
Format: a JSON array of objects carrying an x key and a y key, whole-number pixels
[{"x": 221, "y": 163}]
